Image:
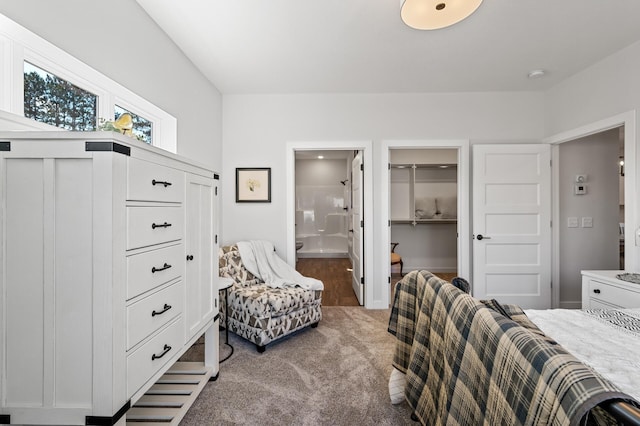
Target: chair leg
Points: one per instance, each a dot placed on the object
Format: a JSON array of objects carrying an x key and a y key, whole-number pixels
[
  {"x": 401, "y": 265},
  {"x": 261, "y": 348}
]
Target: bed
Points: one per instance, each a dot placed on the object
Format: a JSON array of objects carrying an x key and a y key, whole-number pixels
[{"x": 465, "y": 361}]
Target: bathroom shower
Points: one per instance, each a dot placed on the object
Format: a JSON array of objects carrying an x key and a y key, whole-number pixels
[{"x": 321, "y": 207}]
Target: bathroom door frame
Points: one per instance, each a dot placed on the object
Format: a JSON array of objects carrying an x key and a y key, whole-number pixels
[{"x": 366, "y": 146}]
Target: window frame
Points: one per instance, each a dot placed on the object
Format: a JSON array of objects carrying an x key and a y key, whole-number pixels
[{"x": 17, "y": 45}]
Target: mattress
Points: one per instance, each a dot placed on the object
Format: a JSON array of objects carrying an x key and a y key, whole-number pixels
[{"x": 606, "y": 340}]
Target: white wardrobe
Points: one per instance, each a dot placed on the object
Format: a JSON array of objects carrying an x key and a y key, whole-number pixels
[{"x": 107, "y": 274}]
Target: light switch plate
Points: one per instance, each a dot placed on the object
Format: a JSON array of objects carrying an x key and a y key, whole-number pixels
[
  {"x": 572, "y": 222},
  {"x": 587, "y": 222}
]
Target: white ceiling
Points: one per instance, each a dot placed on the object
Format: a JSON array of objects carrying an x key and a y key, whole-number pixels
[{"x": 362, "y": 46}]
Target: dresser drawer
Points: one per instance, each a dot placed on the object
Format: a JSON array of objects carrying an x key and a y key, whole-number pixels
[
  {"x": 150, "y": 269},
  {"x": 613, "y": 295},
  {"x": 153, "y": 182},
  {"x": 145, "y": 361},
  {"x": 149, "y": 314},
  {"x": 147, "y": 226}
]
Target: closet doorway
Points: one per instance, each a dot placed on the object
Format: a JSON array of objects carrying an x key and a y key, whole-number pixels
[
  {"x": 424, "y": 210},
  {"x": 428, "y": 208}
]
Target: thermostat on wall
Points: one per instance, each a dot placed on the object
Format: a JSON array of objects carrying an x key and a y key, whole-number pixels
[{"x": 580, "y": 189}]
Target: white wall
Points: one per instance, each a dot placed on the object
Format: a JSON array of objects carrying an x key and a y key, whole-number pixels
[
  {"x": 595, "y": 248},
  {"x": 256, "y": 129},
  {"x": 121, "y": 41}
]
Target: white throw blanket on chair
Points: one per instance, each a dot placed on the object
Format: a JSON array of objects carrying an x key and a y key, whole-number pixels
[{"x": 260, "y": 258}]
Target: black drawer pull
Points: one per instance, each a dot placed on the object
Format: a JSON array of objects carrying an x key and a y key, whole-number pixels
[
  {"x": 160, "y": 182},
  {"x": 162, "y": 225},
  {"x": 164, "y": 309},
  {"x": 189, "y": 257},
  {"x": 166, "y": 349},
  {"x": 165, "y": 266},
  {"x": 596, "y": 291}
]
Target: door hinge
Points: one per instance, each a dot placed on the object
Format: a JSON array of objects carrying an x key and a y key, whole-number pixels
[
  {"x": 216, "y": 191},
  {"x": 362, "y": 224},
  {"x": 389, "y": 166},
  {"x": 362, "y": 280},
  {"x": 216, "y": 239},
  {"x": 361, "y": 167},
  {"x": 389, "y": 280},
  {"x": 389, "y": 222}
]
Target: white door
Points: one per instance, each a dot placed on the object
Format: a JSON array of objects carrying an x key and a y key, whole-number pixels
[
  {"x": 199, "y": 251},
  {"x": 512, "y": 224},
  {"x": 357, "y": 262}
]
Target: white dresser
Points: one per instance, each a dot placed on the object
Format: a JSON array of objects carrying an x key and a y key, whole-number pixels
[
  {"x": 109, "y": 248},
  {"x": 602, "y": 290}
]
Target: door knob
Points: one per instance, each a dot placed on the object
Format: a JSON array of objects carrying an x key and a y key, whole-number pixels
[{"x": 482, "y": 237}]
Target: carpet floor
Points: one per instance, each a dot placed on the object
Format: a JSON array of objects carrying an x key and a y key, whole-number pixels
[{"x": 335, "y": 374}]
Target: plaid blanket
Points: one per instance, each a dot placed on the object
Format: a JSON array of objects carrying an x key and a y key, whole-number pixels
[{"x": 467, "y": 364}]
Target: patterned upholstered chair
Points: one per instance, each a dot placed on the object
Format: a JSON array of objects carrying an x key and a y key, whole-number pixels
[{"x": 259, "y": 313}]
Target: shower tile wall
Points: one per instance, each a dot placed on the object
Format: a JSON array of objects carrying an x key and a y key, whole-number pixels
[{"x": 321, "y": 221}]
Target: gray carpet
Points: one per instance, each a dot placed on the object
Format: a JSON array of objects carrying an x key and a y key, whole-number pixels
[{"x": 335, "y": 374}]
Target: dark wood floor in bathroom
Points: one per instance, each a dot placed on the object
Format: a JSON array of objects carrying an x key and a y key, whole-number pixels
[{"x": 336, "y": 276}]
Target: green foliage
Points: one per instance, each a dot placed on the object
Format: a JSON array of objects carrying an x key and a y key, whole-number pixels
[{"x": 59, "y": 103}]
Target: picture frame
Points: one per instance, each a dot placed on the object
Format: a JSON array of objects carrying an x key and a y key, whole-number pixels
[{"x": 253, "y": 185}]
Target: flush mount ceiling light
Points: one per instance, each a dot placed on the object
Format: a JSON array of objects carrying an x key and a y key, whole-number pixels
[
  {"x": 536, "y": 74},
  {"x": 435, "y": 14}
]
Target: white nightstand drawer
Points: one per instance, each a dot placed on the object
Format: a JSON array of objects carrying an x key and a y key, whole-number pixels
[
  {"x": 149, "y": 314},
  {"x": 613, "y": 295},
  {"x": 150, "y": 269},
  {"x": 147, "y": 226},
  {"x": 150, "y": 357},
  {"x": 152, "y": 182}
]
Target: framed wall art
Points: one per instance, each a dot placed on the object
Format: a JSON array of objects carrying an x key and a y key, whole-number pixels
[{"x": 253, "y": 185}]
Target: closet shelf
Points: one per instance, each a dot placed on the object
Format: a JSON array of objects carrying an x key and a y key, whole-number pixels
[{"x": 423, "y": 221}]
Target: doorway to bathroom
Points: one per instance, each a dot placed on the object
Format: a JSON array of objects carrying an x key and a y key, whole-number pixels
[{"x": 324, "y": 215}]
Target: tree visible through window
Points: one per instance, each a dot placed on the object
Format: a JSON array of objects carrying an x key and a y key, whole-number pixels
[
  {"x": 141, "y": 126},
  {"x": 53, "y": 100}
]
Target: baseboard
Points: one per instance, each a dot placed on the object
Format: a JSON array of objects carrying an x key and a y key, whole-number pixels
[{"x": 571, "y": 305}]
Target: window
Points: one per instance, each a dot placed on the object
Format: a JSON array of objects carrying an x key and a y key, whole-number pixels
[
  {"x": 141, "y": 126},
  {"x": 52, "y": 100},
  {"x": 62, "y": 92}
]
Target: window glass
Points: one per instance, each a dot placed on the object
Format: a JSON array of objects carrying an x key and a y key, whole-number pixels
[
  {"x": 141, "y": 126},
  {"x": 52, "y": 100}
]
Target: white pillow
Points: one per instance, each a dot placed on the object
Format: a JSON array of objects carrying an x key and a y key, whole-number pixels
[
  {"x": 447, "y": 207},
  {"x": 426, "y": 207},
  {"x": 396, "y": 386}
]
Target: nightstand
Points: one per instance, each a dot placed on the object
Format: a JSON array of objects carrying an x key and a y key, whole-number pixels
[{"x": 602, "y": 290}]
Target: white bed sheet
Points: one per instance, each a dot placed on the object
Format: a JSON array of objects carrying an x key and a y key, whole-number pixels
[{"x": 611, "y": 351}]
